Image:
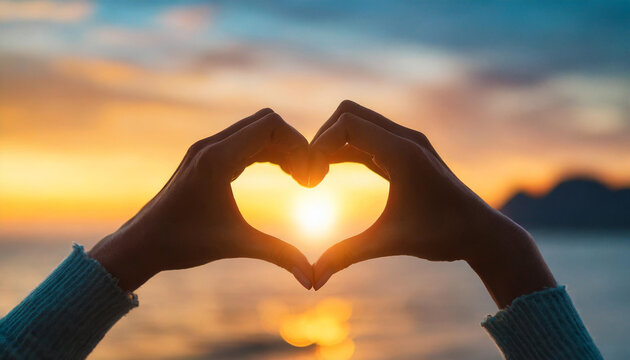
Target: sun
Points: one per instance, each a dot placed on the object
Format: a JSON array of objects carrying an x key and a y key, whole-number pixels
[{"x": 315, "y": 213}]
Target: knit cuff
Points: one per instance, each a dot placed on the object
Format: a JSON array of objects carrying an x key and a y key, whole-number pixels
[
  {"x": 541, "y": 325},
  {"x": 67, "y": 314}
]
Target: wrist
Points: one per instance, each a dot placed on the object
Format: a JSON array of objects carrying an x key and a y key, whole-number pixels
[
  {"x": 508, "y": 261},
  {"x": 125, "y": 257},
  {"x": 493, "y": 235}
]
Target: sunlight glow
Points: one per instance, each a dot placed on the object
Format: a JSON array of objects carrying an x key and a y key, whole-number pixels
[{"x": 315, "y": 213}]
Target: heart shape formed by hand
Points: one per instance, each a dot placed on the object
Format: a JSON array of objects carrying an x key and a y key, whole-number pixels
[
  {"x": 356, "y": 195},
  {"x": 198, "y": 202},
  {"x": 346, "y": 202},
  {"x": 425, "y": 197}
]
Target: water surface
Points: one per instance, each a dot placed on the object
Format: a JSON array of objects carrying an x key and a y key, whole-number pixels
[{"x": 401, "y": 308}]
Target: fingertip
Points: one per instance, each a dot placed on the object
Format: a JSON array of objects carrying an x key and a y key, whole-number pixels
[
  {"x": 303, "y": 181},
  {"x": 322, "y": 280},
  {"x": 271, "y": 249},
  {"x": 317, "y": 168},
  {"x": 321, "y": 272},
  {"x": 300, "y": 167},
  {"x": 302, "y": 278},
  {"x": 315, "y": 178},
  {"x": 302, "y": 269}
]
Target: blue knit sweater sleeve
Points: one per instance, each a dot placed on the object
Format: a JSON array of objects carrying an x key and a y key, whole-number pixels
[
  {"x": 542, "y": 325},
  {"x": 67, "y": 314}
]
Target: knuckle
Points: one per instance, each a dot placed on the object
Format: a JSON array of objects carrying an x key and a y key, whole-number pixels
[
  {"x": 346, "y": 119},
  {"x": 197, "y": 147},
  {"x": 273, "y": 120},
  {"x": 421, "y": 138},
  {"x": 210, "y": 157},
  {"x": 347, "y": 105},
  {"x": 263, "y": 111}
]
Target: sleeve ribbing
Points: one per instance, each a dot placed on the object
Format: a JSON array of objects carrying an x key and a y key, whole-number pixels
[
  {"x": 67, "y": 314},
  {"x": 541, "y": 325}
]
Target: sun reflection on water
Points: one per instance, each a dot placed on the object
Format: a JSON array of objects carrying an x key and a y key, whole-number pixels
[{"x": 325, "y": 325}]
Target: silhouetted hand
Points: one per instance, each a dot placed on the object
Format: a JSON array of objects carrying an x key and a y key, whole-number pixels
[
  {"x": 429, "y": 214},
  {"x": 194, "y": 219}
]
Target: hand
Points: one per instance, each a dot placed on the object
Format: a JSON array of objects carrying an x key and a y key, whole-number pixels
[
  {"x": 194, "y": 219},
  {"x": 429, "y": 214}
]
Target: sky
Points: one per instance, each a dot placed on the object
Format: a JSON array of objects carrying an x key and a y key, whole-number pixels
[{"x": 100, "y": 100}]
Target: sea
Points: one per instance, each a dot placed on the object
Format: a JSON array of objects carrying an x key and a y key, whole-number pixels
[{"x": 389, "y": 308}]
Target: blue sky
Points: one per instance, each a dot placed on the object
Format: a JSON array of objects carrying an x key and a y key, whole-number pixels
[{"x": 532, "y": 38}]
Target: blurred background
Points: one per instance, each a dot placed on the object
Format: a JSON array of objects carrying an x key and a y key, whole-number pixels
[{"x": 528, "y": 103}]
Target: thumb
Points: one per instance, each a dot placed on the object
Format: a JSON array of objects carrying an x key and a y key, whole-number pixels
[
  {"x": 268, "y": 248},
  {"x": 270, "y": 132},
  {"x": 365, "y": 246}
]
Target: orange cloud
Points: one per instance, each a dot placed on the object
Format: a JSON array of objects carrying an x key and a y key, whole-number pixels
[
  {"x": 53, "y": 11},
  {"x": 90, "y": 138}
]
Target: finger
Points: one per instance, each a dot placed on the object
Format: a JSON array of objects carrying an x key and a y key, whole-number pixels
[
  {"x": 349, "y": 153},
  {"x": 348, "y": 106},
  {"x": 225, "y": 133},
  {"x": 380, "y": 120},
  {"x": 383, "y": 146},
  {"x": 201, "y": 144},
  {"x": 241, "y": 124},
  {"x": 317, "y": 166},
  {"x": 365, "y": 246},
  {"x": 274, "y": 156},
  {"x": 268, "y": 248},
  {"x": 268, "y": 132},
  {"x": 344, "y": 107},
  {"x": 196, "y": 147},
  {"x": 266, "y": 156}
]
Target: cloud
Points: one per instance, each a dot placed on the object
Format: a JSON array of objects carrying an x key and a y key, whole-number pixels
[
  {"x": 119, "y": 36},
  {"x": 496, "y": 132},
  {"x": 602, "y": 120},
  {"x": 132, "y": 90},
  {"x": 189, "y": 19},
  {"x": 52, "y": 11}
]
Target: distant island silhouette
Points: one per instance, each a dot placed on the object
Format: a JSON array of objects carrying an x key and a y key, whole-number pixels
[{"x": 577, "y": 203}]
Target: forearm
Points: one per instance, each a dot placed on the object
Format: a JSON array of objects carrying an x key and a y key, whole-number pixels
[
  {"x": 67, "y": 314},
  {"x": 537, "y": 319}
]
